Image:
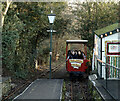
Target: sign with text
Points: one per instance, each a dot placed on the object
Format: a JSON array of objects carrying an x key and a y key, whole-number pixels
[
  {"x": 76, "y": 63},
  {"x": 113, "y": 48}
]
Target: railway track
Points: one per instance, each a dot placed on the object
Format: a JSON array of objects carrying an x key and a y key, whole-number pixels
[
  {"x": 79, "y": 89},
  {"x": 54, "y": 69},
  {"x": 15, "y": 90},
  {"x": 24, "y": 85}
]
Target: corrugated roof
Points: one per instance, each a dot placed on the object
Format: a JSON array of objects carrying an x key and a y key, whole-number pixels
[{"x": 107, "y": 29}]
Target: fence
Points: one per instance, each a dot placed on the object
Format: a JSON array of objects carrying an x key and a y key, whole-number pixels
[
  {"x": 113, "y": 61},
  {"x": 108, "y": 70}
]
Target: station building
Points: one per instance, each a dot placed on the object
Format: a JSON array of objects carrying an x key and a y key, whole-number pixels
[{"x": 107, "y": 49}]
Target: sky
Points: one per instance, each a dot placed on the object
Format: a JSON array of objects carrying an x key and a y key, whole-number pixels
[
  {"x": 61, "y": 0},
  {"x": 92, "y": 0}
]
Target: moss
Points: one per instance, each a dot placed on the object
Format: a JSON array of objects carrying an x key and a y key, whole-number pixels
[
  {"x": 107, "y": 29},
  {"x": 6, "y": 86},
  {"x": 63, "y": 91},
  {"x": 93, "y": 92}
]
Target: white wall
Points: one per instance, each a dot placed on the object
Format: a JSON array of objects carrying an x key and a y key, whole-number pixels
[
  {"x": 96, "y": 50},
  {"x": 113, "y": 37}
]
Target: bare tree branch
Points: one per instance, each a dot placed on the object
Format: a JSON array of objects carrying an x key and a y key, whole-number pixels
[
  {"x": 8, "y": 4},
  {"x": 5, "y": 12}
]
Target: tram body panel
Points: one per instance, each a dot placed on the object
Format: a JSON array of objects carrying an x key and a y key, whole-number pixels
[{"x": 71, "y": 68}]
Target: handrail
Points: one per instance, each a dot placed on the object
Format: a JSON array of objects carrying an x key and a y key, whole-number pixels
[
  {"x": 107, "y": 63},
  {"x": 100, "y": 60},
  {"x": 113, "y": 72}
]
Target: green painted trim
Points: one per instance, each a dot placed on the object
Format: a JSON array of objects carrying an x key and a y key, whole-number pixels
[
  {"x": 119, "y": 62},
  {"x": 111, "y": 68},
  {"x": 116, "y": 66},
  {"x": 113, "y": 61},
  {"x": 107, "y": 29}
]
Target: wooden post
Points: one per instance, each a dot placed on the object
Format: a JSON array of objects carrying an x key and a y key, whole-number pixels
[
  {"x": 106, "y": 76},
  {"x": 66, "y": 53},
  {"x": 66, "y": 49},
  {"x": 85, "y": 50}
]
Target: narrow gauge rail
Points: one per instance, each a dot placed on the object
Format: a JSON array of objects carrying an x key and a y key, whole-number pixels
[
  {"x": 78, "y": 90},
  {"x": 14, "y": 91},
  {"x": 54, "y": 69}
]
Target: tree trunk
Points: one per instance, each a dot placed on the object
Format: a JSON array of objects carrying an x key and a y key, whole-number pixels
[{"x": 2, "y": 17}]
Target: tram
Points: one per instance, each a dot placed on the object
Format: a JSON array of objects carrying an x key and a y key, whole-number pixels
[{"x": 76, "y": 66}]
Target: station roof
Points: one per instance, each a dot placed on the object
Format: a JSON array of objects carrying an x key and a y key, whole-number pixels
[
  {"x": 76, "y": 41},
  {"x": 106, "y": 30}
]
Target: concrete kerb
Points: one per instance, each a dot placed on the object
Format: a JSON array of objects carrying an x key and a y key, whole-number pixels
[{"x": 99, "y": 88}]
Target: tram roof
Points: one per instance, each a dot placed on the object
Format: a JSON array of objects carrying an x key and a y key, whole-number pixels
[{"x": 76, "y": 41}]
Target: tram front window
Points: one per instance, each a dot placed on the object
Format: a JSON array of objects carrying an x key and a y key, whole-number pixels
[{"x": 75, "y": 54}]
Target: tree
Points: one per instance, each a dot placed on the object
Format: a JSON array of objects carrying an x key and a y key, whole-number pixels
[
  {"x": 94, "y": 15},
  {"x": 24, "y": 29},
  {"x": 3, "y": 13},
  {"x": 2, "y": 17}
]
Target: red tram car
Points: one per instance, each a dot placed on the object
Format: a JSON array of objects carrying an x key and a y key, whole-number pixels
[{"x": 76, "y": 66}]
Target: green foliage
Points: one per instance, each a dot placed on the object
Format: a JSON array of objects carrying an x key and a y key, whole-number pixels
[
  {"x": 63, "y": 91},
  {"x": 22, "y": 73},
  {"x": 91, "y": 16},
  {"x": 25, "y": 36},
  {"x": 88, "y": 64},
  {"x": 24, "y": 29},
  {"x": 10, "y": 36}
]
